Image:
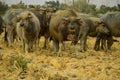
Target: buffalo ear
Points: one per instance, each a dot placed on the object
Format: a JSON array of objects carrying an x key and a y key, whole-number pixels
[
  {"x": 29, "y": 15},
  {"x": 44, "y": 10},
  {"x": 80, "y": 21},
  {"x": 99, "y": 22},
  {"x": 17, "y": 19}
]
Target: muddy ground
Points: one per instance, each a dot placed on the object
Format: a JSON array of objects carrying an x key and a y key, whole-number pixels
[{"x": 45, "y": 65}]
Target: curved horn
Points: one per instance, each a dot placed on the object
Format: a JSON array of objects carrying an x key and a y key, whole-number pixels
[
  {"x": 78, "y": 18},
  {"x": 66, "y": 19}
]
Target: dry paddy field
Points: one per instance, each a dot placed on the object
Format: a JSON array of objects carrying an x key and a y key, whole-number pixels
[{"x": 45, "y": 65}]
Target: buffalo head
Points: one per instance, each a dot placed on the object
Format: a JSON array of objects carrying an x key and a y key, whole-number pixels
[
  {"x": 102, "y": 28},
  {"x": 73, "y": 27},
  {"x": 73, "y": 23},
  {"x": 25, "y": 19}
]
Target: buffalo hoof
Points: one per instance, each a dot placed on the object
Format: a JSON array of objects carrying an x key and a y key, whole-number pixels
[
  {"x": 96, "y": 49},
  {"x": 1, "y": 48},
  {"x": 82, "y": 51},
  {"x": 31, "y": 51},
  {"x": 58, "y": 54},
  {"x": 44, "y": 47}
]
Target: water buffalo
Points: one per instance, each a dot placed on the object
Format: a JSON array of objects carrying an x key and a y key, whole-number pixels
[
  {"x": 111, "y": 20},
  {"x": 44, "y": 16},
  {"x": 112, "y": 23},
  {"x": 103, "y": 37},
  {"x": 29, "y": 26},
  {"x": 62, "y": 24},
  {"x": 10, "y": 25},
  {"x": 87, "y": 28}
]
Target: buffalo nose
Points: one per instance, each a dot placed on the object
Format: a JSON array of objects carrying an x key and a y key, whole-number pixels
[
  {"x": 21, "y": 24},
  {"x": 71, "y": 27}
]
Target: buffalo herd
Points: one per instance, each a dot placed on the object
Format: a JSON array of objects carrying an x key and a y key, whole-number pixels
[{"x": 27, "y": 27}]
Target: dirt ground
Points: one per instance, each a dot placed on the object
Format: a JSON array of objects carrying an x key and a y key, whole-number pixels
[{"x": 45, "y": 65}]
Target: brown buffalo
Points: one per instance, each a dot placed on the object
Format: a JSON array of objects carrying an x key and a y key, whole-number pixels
[{"x": 62, "y": 24}]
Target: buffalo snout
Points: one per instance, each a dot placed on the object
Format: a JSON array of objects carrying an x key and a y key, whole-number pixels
[
  {"x": 71, "y": 27},
  {"x": 102, "y": 28}
]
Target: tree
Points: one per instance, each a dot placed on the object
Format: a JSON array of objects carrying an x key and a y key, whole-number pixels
[
  {"x": 3, "y": 7},
  {"x": 19, "y": 5},
  {"x": 118, "y": 7},
  {"x": 52, "y": 3},
  {"x": 31, "y": 6}
]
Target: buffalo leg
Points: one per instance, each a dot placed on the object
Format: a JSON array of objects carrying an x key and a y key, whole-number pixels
[
  {"x": 110, "y": 41},
  {"x": 9, "y": 31},
  {"x": 83, "y": 40},
  {"x": 46, "y": 42},
  {"x": 97, "y": 42},
  {"x": 23, "y": 46},
  {"x": 104, "y": 44},
  {"x": 10, "y": 39},
  {"x": 56, "y": 45}
]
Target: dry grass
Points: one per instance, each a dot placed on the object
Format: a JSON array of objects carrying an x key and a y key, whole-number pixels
[{"x": 44, "y": 65}]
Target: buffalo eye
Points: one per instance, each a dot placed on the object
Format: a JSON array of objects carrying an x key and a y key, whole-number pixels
[
  {"x": 29, "y": 17},
  {"x": 18, "y": 19},
  {"x": 64, "y": 22}
]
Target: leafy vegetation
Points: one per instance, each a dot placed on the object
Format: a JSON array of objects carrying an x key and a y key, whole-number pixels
[
  {"x": 19, "y": 5},
  {"x": 84, "y": 7},
  {"x": 18, "y": 62},
  {"x": 3, "y": 7},
  {"x": 78, "y": 5}
]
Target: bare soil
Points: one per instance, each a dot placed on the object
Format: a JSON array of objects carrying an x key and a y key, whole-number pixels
[{"x": 71, "y": 65}]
